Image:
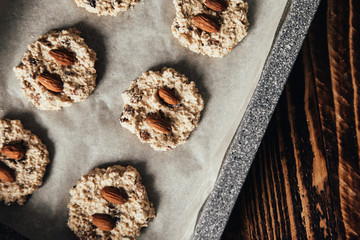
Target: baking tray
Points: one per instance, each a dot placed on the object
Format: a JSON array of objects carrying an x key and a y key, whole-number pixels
[{"x": 255, "y": 112}]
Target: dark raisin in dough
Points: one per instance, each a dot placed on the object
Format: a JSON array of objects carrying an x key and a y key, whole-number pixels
[{"x": 92, "y": 3}]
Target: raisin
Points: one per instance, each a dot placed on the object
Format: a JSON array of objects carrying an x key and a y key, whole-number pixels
[
  {"x": 32, "y": 61},
  {"x": 122, "y": 118},
  {"x": 27, "y": 84},
  {"x": 214, "y": 42},
  {"x": 30, "y": 170},
  {"x": 92, "y": 3},
  {"x": 112, "y": 209},
  {"x": 68, "y": 72},
  {"x": 144, "y": 135},
  {"x": 162, "y": 114},
  {"x": 67, "y": 42},
  {"x": 129, "y": 109}
]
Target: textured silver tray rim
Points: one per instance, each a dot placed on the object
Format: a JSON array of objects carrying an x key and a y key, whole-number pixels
[{"x": 241, "y": 152}]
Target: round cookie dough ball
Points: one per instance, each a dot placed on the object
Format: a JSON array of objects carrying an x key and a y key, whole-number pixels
[
  {"x": 106, "y": 7},
  {"x": 24, "y": 158},
  {"x": 229, "y": 25},
  {"x": 162, "y": 108},
  {"x": 57, "y": 70},
  {"x": 90, "y": 198}
]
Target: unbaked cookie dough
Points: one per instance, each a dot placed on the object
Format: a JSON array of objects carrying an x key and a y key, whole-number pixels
[
  {"x": 232, "y": 22},
  {"x": 106, "y": 7},
  {"x": 171, "y": 123},
  {"x": 28, "y": 171},
  {"x": 77, "y": 79},
  {"x": 87, "y": 199}
]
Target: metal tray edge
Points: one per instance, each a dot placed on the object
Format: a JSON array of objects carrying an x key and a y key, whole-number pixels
[{"x": 238, "y": 159}]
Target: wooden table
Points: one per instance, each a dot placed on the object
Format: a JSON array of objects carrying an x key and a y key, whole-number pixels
[{"x": 305, "y": 180}]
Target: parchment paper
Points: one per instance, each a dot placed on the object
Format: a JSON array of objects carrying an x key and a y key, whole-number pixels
[{"x": 88, "y": 134}]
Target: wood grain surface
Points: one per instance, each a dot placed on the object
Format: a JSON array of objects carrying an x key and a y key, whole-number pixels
[{"x": 305, "y": 180}]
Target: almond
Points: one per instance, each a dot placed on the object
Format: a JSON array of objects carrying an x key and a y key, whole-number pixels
[
  {"x": 62, "y": 56},
  {"x": 113, "y": 195},
  {"x": 51, "y": 82},
  {"x": 6, "y": 174},
  {"x": 206, "y": 23},
  {"x": 158, "y": 124},
  {"x": 14, "y": 151},
  {"x": 103, "y": 221},
  {"x": 216, "y": 5},
  {"x": 168, "y": 96}
]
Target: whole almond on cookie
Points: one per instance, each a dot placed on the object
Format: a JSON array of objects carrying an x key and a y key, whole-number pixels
[
  {"x": 206, "y": 23},
  {"x": 14, "y": 151},
  {"x": 6, "y": 174},
  {"x": 51, "y": 82},
  {"x": 168, "y": 96},
  {"x": 113, "y": 195},
  {"x": 103, "y": 221},
  {"x": 158, "y": 124},
  {"x": 216, "y": 5},
  {"x": 62, "y": 56}
]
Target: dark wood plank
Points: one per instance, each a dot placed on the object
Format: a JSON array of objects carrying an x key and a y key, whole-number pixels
[
  {"x": 311, "y": 169},
  {"x": 344, "y": 90},
  {"x": 354, "y": 45},
  {"x": 304, "y": 183},
  {"x": 321, "y": 196},
  {"x": 318, "y": 43},
  {"x": 289, "y": 167}
]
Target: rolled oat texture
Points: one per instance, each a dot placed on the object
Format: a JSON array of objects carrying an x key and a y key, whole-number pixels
[
  {"x": 106, "y": 7},
  {"x": 29, "y": 170},
  {"x": 78, "y": 80},
  {"x": 86, "y": 200},
  {"x": 142, "y": 100},
  {"x": 233, "y": 24}
]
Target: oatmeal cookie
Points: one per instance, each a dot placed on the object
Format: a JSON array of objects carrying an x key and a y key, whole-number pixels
[
  {"x": 162, "y": 108},
  {"x": 227, "y": 27},
  {"x": 106, "y": 7},
  {"x": 109, "y": 203},
  {"x": 24, "y": 157},
  {"x": 57, "y": 70}
]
